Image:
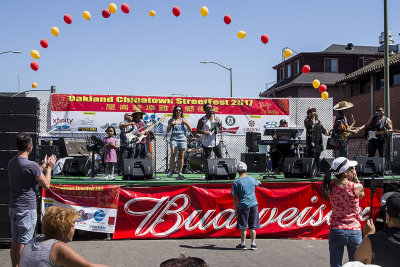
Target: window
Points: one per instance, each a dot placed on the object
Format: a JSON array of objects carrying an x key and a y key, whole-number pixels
[
  {"x": 331, "y": 65},
  {"x": 361, "y": 62},
  {"x": 281, "y": 74},
  {"x": 365, "y": 86},
  {"x": 379, "y": 82},
  {"x": 289, "y": 70},
  {"x": 296, "y": 67}
]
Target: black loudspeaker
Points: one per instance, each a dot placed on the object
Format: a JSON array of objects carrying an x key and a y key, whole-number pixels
[
  {"x": 218, "y": 169},
  {"x": 138, "y": 169},
  {"x": 325, "y": 164},
  {"x": 4, "y": 187},
  {"x": 299, "y": 168},
  {"x": 70, "y": 147},
  {"x": 368, "y": 166},
  {"x": 48, "y": 150},
  {"x": 252, "y": 139},
  {"x": 5, "y": 225},
  {"x": 6, "y": 155},
  {"x": 77, "y": 166},
  {"x": 255, "y": 162},
  {"x": 19, "y": 123},
  {"x": 19, "y": 105}
]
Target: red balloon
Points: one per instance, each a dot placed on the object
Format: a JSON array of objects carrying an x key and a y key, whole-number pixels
[
  {"x": 44, "y": 43},
  {"x": 68, "y": 18},
  {"x": 125, "y": 8},
  {"x": 264, "y": 38},
  {"x": 176, "y": 11},
  {"x": 227, "y": 19},
  {"x": 322, "y": 88},
  {"x": 306, "y": 69},
  {"x": 106, "y": 13},
  {"x": 34, "y": 65}
]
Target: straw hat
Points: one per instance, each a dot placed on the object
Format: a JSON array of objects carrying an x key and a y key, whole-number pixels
[
  {"x": 137, "y": 110},
  {"x": 343, "y": 105},
  {"x": 311, "y": 108}
]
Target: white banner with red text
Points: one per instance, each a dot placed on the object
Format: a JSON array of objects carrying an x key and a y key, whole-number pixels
[
  {"x": 73, "y": 113},
  {"x": 97, "y": 205},
  {"x": 287, "y": 210}
]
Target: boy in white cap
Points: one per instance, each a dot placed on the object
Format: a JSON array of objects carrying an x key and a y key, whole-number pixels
[{"x": 246, "y": 205}]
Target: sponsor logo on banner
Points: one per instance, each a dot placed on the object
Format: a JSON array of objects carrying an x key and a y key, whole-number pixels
[
  {"x": 83, "y": 214},
  {"x": 99, "y": 215},
  {"x": 86, "y": 129},
  {"x": 251, "y": 129},
  {"x": 271, "y": 124},
  {"x": 230, "y": 130},
  {"x": 230, "y": 120},
  {"x": 105, "y": 126},
  {"x": 87, "y": 121},
  {"x": 63, "y": 120},
  {"x": 252, "y": 123},
  {"x": 89, "y": 113}
]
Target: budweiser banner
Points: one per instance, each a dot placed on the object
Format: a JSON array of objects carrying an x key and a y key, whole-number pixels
[
  {"x": 287, "y": 210},
  {"x": 94, "y": 113},
  {"x": 97, "y": 205}
]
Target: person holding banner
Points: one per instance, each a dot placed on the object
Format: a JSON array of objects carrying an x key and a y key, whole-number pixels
[
  {"x": 50, "y": 249},
  {"x": 208, "y": 126},
  {"x": 178, "y": 140}
]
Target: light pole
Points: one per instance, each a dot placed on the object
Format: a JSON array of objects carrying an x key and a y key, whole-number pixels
[
  {"x": 15, "y": 52},
  {"x": 216, "y": 63}
]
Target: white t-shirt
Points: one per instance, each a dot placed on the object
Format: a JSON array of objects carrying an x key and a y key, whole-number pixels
[{"x": 209, "y": 140}]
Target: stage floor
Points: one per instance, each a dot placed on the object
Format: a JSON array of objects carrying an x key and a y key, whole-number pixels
[{"x": 161, "y": 179}]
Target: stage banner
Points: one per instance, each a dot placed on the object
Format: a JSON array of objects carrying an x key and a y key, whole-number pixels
[
  {"x": 287, "y": 210},
  {"x": 94, "y": 113},
  {"x": 97, "y": 205}
]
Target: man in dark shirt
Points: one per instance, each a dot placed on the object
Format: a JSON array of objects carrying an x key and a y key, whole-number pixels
[
  {"x": 382, "y": 248},
  {"x": 24, "y": 176}
]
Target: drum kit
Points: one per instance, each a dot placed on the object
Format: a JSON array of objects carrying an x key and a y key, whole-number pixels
[{"x": 193, "y": 159}]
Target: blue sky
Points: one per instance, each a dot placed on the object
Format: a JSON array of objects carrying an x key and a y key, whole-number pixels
[{"x": 135, "y": 54}]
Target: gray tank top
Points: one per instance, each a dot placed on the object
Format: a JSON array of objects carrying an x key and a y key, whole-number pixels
[{"x": 37, "y": 253}]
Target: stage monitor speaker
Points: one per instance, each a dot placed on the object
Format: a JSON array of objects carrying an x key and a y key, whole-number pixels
[
  {"x": 325, "y": 164},
  {"x": 255, "y": 162},
  {"x": 70, "y": 147},
  {"x": 252, "y": 139},
  {"x": 4, "y": 187},
  {"x": 299, "y": 168},
  {"x": 5, "y": 225},
  {"x": 222, "y": 168},
  {"x": 48, "y": 150},
  {"x": 138, "y": 169},
  {"x": 368, "y": 166},
  {"x": 19, "y": 105},
  {"x": 78, "y": 166}
]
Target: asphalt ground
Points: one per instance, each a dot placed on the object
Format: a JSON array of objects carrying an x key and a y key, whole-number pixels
[{"x": 216, "y": 252}]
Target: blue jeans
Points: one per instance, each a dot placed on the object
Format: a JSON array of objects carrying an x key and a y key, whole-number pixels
[
  {"x": 23, "y": 223},
  {"x": 338, "y": 238}
]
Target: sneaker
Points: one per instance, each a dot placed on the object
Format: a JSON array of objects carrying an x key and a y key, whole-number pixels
[
  {"x": 180, "y": 176},
  {"x": 240, "y": 246},
  {"x": 112, "y": 177},
  {"x": 107, "y": 177},
  {"x": 169, "y": 174},
  {"x": 253, "y": 247}
]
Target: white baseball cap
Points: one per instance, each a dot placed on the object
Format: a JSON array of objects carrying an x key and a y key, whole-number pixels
[
  {"x": 241, "y": 167},
  {"x": 342, "y": 164}
]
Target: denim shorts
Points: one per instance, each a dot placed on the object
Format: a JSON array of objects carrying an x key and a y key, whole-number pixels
[
  {"x": 338, "y": 239},
  {"x": 179, "y": 144},
  {"x": 23, "y": 223},
  {"x": 248, "y": 218}
]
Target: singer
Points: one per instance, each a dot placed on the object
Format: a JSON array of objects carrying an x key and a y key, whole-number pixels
[
  {"x": 178, "y": 140},
  {"x": 209, "y": 126}
]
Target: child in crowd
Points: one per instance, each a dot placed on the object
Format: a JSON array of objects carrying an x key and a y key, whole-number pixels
[{"x": 110, "y": 152}]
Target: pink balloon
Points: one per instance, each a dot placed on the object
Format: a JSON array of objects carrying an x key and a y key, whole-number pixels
[
  {"x": 44, "y": 43},
  {"x": 227, "y": 19},
  {"x": 176, "y": 11},
  {"x": 106, "y": 13},
  {"x": 125, "y": 8},
  {"x": 264, "y": 38},
  {"x": 323, "y": 88},
  {"x": 34, "y": 65},
  {"x": 68, "y": 18},
  {"x": 306, "y": 69}
]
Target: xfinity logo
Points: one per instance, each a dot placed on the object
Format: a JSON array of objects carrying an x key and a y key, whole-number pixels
[{"x": 66, "y": 120}]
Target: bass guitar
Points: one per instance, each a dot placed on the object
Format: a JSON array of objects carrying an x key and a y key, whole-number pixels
[{"x": 373, "y": 134}]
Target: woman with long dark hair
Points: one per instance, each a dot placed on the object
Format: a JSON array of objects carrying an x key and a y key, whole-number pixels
[
  {"x": 344, "y": 194},
  {"x": 178, "y": 140}
]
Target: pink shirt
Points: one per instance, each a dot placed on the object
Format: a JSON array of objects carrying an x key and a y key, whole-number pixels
[
  {"x": 110, "y": 153},
  {"x": 345, "y": 207}
]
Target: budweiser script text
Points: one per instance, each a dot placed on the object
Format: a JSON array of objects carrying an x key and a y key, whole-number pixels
[{"x": 202, "y": 220}]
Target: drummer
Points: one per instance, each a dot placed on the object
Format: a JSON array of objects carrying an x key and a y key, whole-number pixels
[{"x": 178, "y": 141}]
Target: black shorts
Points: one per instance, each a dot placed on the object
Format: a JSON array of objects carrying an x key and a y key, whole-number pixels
[{"x": 248, "y": 217}]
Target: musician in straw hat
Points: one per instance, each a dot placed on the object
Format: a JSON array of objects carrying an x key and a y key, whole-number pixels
[{"x": 341, "y": 128}]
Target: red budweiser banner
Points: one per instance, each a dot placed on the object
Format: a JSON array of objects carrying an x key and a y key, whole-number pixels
[{"x": 288, "y": 210}]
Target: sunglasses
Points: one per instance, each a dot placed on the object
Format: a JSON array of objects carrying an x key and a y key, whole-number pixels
[
  {"x": 180, "y": 110},
  {"x": 379, "y": 110}
]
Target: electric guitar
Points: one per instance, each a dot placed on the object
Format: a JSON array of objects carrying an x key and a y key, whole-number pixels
[
  {"x": 373, "y": 134},
  {"x": 132, "y": 135},
  {"x": 141, "y": 135}
]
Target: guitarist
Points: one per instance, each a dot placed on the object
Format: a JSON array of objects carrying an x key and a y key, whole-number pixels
[
  {"x": 208, "y": 126},
  {"x": 126, "y": 148},
  {"x": 140, "y": 148},
  {"x": 377, "y": 123}
]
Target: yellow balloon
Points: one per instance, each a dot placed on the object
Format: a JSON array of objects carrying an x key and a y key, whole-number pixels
[
  {"x": 112, "y": 7},
  {"x": 324, "y": 95},
  {"x": 204, "y": 11},
  {"x": 241, "y": 34},
  {"x": 86, "y": 15},
  {"x": 287, "y": 53},
  {"x": 34, "y": 85},
  {"x": 316, "y": 83},
  {"x": 152, "y": 13},
  {"x": 55, "y": 31},
  {"x": 35, "y": 54}
]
